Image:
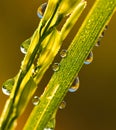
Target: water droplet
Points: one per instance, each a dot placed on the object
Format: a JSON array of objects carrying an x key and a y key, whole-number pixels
[
  {"x": 63, "y": 53},
  {"x": 7, "y": 86},
  {"x": 55, "y": 66},
  {"x": 35, "y": 100},
  {"x": 25, "y": 45},
  {"x": 48, "y": 129},
  {"x": 106, "y": 27},
  {"x": 102, "y": 34},
  {"x": 51, "y": 123},
  {"x": 62, "y": 105},
  {"x": 89, "y": 58},
  {"x": 98, "y": 42},
  {"x": 41, "y": 10},
  {"x": 75, "y": 85}
]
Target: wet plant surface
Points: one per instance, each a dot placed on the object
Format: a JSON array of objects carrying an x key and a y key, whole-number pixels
[{"x": 41, "y": 62}]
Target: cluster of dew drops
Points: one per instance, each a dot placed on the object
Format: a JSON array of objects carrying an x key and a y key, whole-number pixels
[
  {"x": 7, "y": 86},
  {"x": 75, "y": 85}
]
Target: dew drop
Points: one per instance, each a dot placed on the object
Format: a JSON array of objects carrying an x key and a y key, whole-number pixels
[
  {"x": 62, "y": 105},
  {"x": 55, "y": 66},
  {"x": 7, "y": 86},
  {"x": 35, "y": 100},
  {"x": 89, "y": 58},
  {"x": 75, "y": 85},
  {"x": 102, "y": 34},
  {"x": 51, "y": 123},
  {"x": 25, "y": 45},
  {"x": 106, "y": 27},
  {"x": 63, "y": 53},
  {"x": 41, "y": 10},
  {"x": 98, "y": 42},
  {"x": 48, "y": 129}
]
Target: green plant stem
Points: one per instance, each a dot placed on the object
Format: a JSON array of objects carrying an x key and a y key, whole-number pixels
[
  {"x": 44, "y": 47},
  {"x": 70, "y": 66}
]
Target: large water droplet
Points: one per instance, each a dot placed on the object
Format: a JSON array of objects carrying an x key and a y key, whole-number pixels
[
  {"x": 89, "y": 58},
  {"x": 7, "y": 86},
  {"x": 62, "y": 105},
  {"x": 25, "y": 45},
  {"x": 75, "y": 85},
  {"x": 35, "y": 100},
  {"x": 55, "y": 66},
  {"x": 41, "y": 10},
  {"x": 63, "y": 53}
]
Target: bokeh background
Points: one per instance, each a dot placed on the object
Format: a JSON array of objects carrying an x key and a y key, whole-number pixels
[{"x": 93, "y": 106}]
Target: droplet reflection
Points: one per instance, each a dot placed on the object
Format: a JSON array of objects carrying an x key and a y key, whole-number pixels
[
  {"x": 41, "y": 10},
  {"x": 98, "y": 42},
  {"x": 62, "y": 105},
  {"x": 7, "y": 86},
  {"x": 55, "y": 66},
  {"x": 102, "y": 34},
  {"x": 35, "y": 100},
  {"x": 89, "y": 59},
  {"x": 106, "y": 27},
  {"x": 63, "y": 53},
  {"x": 25, "y": 45},
  {"x": 75, "y": 85}
]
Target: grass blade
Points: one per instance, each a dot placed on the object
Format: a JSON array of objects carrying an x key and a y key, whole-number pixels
[{"x": 79, "y": 49}]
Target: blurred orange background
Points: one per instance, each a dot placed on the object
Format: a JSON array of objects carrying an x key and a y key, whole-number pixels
[{"x": 93, "y": 106}]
